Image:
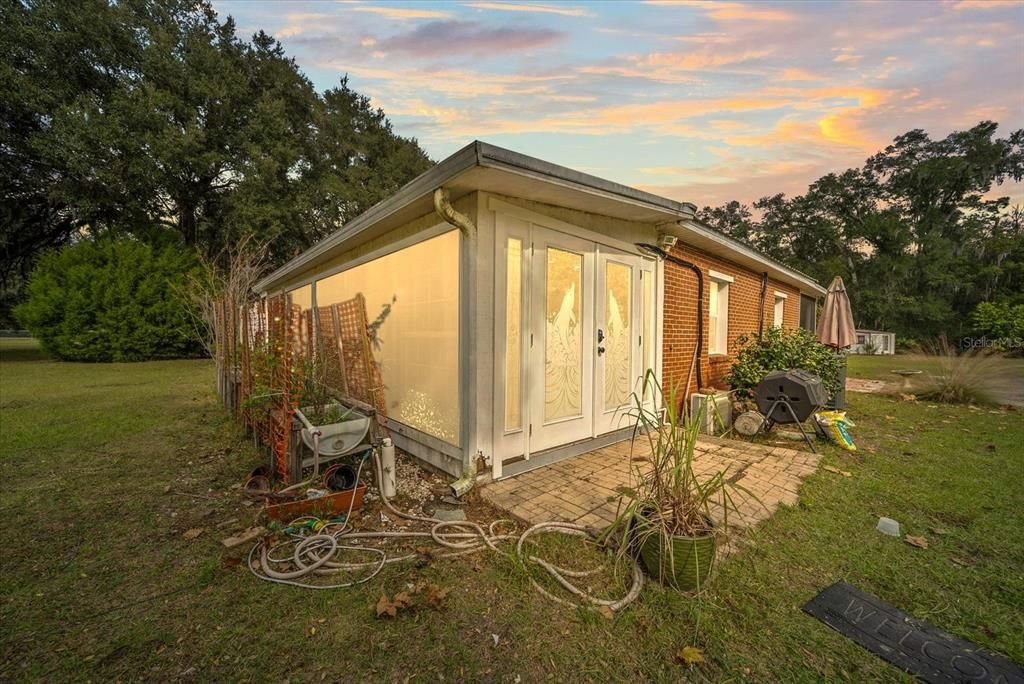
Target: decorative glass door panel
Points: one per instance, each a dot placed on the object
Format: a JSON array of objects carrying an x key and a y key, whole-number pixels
[
  {"x": 574, "y": 327},
  {"x": 563, "y": 336},
  {"x": 561, "y": 409},
  {"x": 615, "y": 339},
  {"x": 619, "y": 338}
]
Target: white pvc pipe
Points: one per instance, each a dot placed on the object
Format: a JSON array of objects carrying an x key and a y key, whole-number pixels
[{"x": 389, "y": 481}]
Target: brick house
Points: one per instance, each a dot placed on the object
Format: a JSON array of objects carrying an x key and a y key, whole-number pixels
[
  {"x": 525, "y": 301},
  {"x": 742, "y": 309}
]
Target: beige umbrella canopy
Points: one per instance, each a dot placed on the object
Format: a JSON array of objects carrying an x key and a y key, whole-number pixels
[{"x": 835, "y": 327}]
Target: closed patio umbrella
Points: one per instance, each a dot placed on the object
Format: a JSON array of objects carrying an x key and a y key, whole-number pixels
[{"x": 836, "y": 329}]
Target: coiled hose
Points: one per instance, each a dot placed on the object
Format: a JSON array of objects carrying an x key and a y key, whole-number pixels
[{"x": 318, "y": 554}]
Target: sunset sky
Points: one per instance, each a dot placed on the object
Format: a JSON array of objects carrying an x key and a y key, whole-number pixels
[{"x": 698, "y": 101}]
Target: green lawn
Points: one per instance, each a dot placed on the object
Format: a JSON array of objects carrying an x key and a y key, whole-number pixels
[
  {"x": 1005, "y": 381},
  {"x": 103, "y": 467}
]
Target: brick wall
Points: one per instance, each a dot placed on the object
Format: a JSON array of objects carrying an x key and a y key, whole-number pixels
[{"x": 680, "y": 315}]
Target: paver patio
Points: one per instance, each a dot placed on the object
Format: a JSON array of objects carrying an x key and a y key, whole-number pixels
[{"x": 582, "y": 489}]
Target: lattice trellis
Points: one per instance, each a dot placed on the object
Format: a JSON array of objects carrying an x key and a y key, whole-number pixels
[
  {"x": 362, "y": 373},
  {"x": 263, "y": 345},
  {"x": 329, "y": 348}
]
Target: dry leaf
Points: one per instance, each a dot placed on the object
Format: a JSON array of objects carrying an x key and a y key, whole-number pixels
[
  {"x": 959, "y": 561},
  {"x": 837, "y": 471},
  {"x": 402, "y": 600},
  {"x": 193, "y": 533},
  {"x": 386, "y": 607},
  {"x": 919, "y": 542},
  {"x": 606, "y": 612},
  {"x": 436, "y": 595},
  {"x": 690, "y": 655}
]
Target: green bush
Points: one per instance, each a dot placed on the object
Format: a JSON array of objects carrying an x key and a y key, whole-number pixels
[
  {"x": 781, "y": 349},
  {"x": 107, "y": 300},
  {"x": 1001, "y": 323}
]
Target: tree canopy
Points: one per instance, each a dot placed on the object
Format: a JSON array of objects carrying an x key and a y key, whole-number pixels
[
  {"x": 913, "y": 232},
  {"x": 149, "y": 117}
]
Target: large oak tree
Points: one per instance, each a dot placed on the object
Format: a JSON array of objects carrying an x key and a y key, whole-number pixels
[
  {"x": 914, "y": 232},
  {"x": 143, "y": 117}
]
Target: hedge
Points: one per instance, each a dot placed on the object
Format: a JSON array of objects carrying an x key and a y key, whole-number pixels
[{"x": 111, "y": 300}]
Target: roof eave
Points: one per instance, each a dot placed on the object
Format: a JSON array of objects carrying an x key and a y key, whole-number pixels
[
  {"x": 425, "y": 183},
  {"x": 482, "y": 154},
  {"x": 751, "y": 253}
]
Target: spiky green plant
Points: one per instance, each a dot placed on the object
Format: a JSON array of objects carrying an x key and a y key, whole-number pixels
[{"x": 667, "y": 497}]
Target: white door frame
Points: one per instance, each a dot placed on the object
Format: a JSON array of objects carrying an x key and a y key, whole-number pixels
[{"x": 534, "y": 235}]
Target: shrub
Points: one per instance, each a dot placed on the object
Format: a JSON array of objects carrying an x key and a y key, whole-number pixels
[
  {"x": 1000, "y": 323},
  {"x": 111, "y": 300},
  {"x": 910, "y": 345},
  {"x": 781, "y": 349}
]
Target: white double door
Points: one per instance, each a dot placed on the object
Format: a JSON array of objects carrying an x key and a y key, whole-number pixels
[{"x": 575, "y": 336}]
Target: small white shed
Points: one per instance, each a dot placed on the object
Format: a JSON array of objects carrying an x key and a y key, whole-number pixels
[{"x": 874, "y": 342}]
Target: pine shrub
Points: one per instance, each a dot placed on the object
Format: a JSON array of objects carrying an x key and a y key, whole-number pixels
[{"x": 111, "y": 300}]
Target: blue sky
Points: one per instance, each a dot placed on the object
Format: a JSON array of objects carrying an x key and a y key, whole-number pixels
[{"x": 699, "y": 101}]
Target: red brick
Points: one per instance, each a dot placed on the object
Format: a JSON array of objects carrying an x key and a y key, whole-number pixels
[{"x": 680, "y": 315}]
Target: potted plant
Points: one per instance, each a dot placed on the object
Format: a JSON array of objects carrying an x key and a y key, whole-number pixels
[{"x": 666, "y": 516}]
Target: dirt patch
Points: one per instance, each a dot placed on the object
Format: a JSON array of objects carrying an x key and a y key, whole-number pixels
[{"x": 869, "y": 386}]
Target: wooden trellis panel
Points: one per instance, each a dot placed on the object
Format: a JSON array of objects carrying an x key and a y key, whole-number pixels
[
  {"x": 328, "y": 334},
  {"x": 363, "y": 377}
]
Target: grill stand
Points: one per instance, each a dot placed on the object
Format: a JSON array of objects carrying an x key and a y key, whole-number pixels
[{"x": 770, "y": 422}]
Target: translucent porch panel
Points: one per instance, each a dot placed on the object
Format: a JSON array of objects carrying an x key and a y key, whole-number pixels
[{"x": 412, "y": 301}]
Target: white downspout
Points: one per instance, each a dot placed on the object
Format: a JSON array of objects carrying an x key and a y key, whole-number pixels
[{"x": 443, "y": 207}]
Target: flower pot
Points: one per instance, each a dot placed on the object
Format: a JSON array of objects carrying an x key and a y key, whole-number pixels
[{"x": 685, "y": 565}]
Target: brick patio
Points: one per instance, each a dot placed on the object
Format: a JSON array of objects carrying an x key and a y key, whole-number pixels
[{"x": 582, "y": 489}]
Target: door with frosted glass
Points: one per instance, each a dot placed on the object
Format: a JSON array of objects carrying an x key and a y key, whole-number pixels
[
  {"x": 618, "y": 339},
  {"x": 561, "y": 377},
  {"x": 625, "y": 310}
]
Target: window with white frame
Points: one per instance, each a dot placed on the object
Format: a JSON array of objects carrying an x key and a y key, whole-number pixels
[
  {"x": 718, "y": 312},
  {"x": 780, "y": 309}
]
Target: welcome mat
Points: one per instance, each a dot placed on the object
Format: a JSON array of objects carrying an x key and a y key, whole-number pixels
[{"x": 912, "y": 645}]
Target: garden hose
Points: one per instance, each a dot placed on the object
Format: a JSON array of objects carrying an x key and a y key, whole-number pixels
[{"x": 317, "y": 547}]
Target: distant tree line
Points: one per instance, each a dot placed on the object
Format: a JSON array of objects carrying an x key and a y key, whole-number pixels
[
  {"x": 912, "y": 232},
  {"x": 153, "y": 120}
]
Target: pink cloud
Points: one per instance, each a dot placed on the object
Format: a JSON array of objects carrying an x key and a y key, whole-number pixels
[
  {"x": 731, "y": 11},
  {"x": 443, "y": 38}
]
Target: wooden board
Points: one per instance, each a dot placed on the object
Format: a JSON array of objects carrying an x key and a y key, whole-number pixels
[{"x": 327, "y": 506}]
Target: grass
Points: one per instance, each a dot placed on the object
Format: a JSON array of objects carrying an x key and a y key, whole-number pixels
[
  {"x": 97, "y": 582},
  {"x": 881, "y": 367},
  {"x": 1004, "y": 384}
]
